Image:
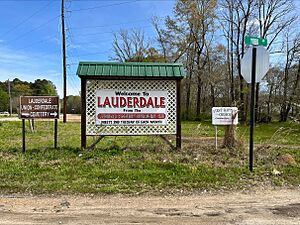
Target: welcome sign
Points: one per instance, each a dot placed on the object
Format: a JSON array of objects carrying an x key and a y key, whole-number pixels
[
  {"x": 130, "y": 99},
  {"x": 125, "y": 108}
]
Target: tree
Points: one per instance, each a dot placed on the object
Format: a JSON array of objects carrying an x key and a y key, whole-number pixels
[
  {"x": 273, "y": 79},
  {"x": 236, "y": 19},
  {"x": 274, "y": 17},
  {"x": 21, "y": 89},
  {"x": 291, "y": 77},
  {"x": 129, "y": 46},
  {"x": 4, "y": 101},
  {"x": 74, "y": 104},
  {"x": 264, "y": 18},
  {"x": 43, "y": 87},
  {"x": 217, "y": 80},
  {"x": 188, "y": 38}
]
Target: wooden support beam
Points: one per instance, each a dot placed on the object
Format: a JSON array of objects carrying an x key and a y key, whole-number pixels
[
  {"x": 83, "y": 113},
  {"x": 167, "y": 142},
  {"x": 95, "y": 143},
  {"x": 178, "y": 116}
]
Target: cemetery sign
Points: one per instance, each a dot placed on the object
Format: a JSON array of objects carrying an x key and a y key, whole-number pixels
[{"x": 39, "y": 107}]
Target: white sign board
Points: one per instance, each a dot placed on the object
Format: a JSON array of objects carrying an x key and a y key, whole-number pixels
[
  {"x": 262, "y": 64},
  {"x": 121, "y": 108},
  {"x": 224, "y": 115}
]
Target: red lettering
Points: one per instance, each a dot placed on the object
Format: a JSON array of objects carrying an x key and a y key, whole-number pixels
[
  {"x": 99, "y": 104},
  {"x": 129, "y": 102},
  {"x": 122, "y": 102},
  {"x": 162, "y": 102},
  {"x": 143, "y": 102},
  {"x": 156, "y": 102},
  {"x": 106, "y": 102},
  {"x": 115, "y": 102},
  {"x": 135, "y": 102},
  {"x": 150, "y": 102}
]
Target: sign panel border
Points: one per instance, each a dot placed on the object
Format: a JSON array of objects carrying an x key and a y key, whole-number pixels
[
  {"x": 224, "y": 119},
  {"x": 43, "y": 111},
  {"x": 92, "y": 86}
]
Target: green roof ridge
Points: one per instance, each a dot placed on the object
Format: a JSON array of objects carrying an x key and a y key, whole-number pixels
[
  {"x": 129, "y": 63},
  {"x": 131, "y": 69}
]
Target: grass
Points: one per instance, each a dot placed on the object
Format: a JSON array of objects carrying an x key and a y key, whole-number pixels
[{"x": 142, "y": 164}]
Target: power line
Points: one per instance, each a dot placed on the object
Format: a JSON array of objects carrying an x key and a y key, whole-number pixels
[
  {"x": 72, "y": 41},
  {"x": 73, "y": 82},
  {"x": 25, "y": 20},
  {"x": 37, "y": 42},
  {"x": 36, "y": 28},
  {"x": 110, "y": 32},
  {"x": 95, "y": 53},
  {"x": 103, "y": 6},
  {"x": 108, "y": 25}
]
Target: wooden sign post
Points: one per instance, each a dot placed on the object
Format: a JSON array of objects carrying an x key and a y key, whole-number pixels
[{"x": 227, "y": 116}]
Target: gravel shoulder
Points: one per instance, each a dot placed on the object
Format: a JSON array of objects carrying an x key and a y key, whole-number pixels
[{"x": 271, "y": 206}]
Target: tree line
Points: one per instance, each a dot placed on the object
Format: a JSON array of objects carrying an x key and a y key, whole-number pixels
[
  {"x": 23, "y": 88},
  {"x": 207, "y": 36}
]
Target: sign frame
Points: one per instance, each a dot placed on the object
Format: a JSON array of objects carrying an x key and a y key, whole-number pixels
[
  {"x": 133, "y": 107},
  {"x": 224, "y": 115},
  {"x": 143, "y": 85},
  {"x": 39, "y": 107},
  {"x": 41, "y": 111},
  {"x": 130, "y": 74}
]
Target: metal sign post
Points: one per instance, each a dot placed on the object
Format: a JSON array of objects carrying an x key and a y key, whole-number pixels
[
  {"x": 252, "y": 112},
  {"x": 216, "y": 136},
  {"x": 254, "y": 66}
]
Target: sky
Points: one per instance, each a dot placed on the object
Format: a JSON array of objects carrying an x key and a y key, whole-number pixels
[{"x": 30, "y": 35}]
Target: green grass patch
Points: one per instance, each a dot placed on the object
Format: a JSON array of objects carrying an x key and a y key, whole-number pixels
[{"x": 142, "y": 164}]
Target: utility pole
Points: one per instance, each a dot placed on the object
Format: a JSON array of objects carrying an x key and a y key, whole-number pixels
[
  {"x": 64, "y": 60},
  {"x": 10, "y": 102}
]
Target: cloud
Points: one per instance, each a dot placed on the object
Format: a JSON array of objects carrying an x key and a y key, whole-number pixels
[
  {"x": 9, "y": 58},
  {"x": 30, "y": 66}
]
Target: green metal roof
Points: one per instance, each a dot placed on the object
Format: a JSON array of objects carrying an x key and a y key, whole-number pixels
[{"x": 130, "y": 69}]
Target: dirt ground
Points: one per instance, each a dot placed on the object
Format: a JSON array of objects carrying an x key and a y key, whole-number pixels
[{"x": 263, "y": 207}]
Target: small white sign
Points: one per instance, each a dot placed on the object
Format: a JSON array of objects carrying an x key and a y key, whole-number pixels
[{"x": 224, "y": 115}]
